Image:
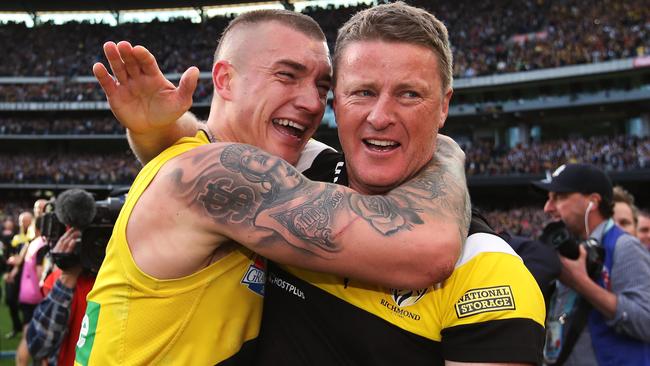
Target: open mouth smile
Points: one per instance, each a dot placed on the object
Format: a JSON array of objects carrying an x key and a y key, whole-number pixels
[
  {"x": 289, "y": 127},
  {"x": 381, "y": 145}
]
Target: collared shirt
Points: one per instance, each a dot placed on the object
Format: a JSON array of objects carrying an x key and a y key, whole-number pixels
[{"x": 50, "y": 323}]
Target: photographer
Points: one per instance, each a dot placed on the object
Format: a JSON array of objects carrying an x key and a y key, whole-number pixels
[
  {"x": 77, "y": 232},
  {"x": 54, "y": 329},
  {"x": 599, "y": 316}
]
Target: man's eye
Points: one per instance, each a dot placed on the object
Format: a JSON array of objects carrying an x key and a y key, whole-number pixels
[
  {"x": 323, "y": 90},
  {"x": 411, "y": 94},
  {"x": 286, "y": 75},
  {"x": 364, "y": 93}
]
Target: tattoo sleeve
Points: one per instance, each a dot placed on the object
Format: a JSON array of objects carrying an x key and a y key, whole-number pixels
[{"x": 245, "y": 190}]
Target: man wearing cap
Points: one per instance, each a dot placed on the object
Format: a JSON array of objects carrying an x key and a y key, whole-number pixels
[{"x": 615, "y": 328}]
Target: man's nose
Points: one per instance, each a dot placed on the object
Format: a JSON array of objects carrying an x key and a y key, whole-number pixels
[
  {"x": 549, "y": 206},
  {"x": 309, "y": 99},
  {"x": 382, "y": 114}
]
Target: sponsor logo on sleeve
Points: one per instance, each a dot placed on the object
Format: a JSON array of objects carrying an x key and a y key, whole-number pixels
[
  {"x": 87, "y": 333},
  {"x": 254, "y": 277},
  {"x": 482, "y": 300},
  {"x": 285, "y": 285}
]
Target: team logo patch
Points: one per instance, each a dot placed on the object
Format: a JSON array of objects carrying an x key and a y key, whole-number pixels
[
  {"x": 254, "y": 277},
  {"x": 482, "y": 300},
  {"x": 405, "y": 298}
]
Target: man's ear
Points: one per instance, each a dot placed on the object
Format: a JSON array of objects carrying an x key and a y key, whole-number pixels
[
  {"x": 594, "y": 200},
  {"x": 222, "y": 74},
  {"x": 444, "y": 107}
]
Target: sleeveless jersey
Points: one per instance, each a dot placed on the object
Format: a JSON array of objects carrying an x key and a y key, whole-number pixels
[
  {"x": 489, "y": 310},
  {"x": 207, "y": 318}
]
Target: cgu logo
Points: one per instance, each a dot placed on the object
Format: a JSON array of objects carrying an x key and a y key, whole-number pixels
[
  {"x": 405, "y": 298},
  {"x": 254, "y": 277}
]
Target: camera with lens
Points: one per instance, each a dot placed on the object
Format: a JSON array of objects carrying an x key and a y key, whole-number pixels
[
  {"x": 95, "y": 219},
  {"x": 558, "y": 236}
]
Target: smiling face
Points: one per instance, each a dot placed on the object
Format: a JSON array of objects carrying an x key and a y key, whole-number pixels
[
  {"x": 389, "y": 105},
  {"x": 276, "y": 88}
]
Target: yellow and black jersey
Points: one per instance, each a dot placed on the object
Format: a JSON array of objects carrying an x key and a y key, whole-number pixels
[
  {"x": 489, "y": 310},
  {"x": 210, "y": 317}
]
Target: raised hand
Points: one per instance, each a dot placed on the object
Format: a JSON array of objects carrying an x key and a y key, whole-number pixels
[{"x": 139, "y": 95}]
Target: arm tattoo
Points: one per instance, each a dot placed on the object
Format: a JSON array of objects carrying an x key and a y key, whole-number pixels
[
  {"x": 440, "y": 187},
  {"x": 311, "y": 220},
  {"x": 384, "y": 214},
  {"x": 249, "y": 188},
  {"x": 223, "y": 200},
  {"x": 252, "y": 188}
]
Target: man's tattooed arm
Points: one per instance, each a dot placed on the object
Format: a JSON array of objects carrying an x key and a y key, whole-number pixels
[
  {"x": 265, "y": 204},
  {"x": 440, "y": 187}
]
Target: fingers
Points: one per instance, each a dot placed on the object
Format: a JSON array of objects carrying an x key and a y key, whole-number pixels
[
  {"x": 115, "y": 61},
  {"x": 130, "y": 62},
  {"x": 583, "y": 252},
  {"x": 187, "y": 85},
  {"x": 105, "y": 80},
  {"x": 67, "y": 241},
  {"x": 147, "y": 62}
]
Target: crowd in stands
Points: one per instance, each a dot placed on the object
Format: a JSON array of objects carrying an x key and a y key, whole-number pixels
[
  {"x": 68, "y": 168},
  {"x": 11, "y": 208},
  {"x": 528, "y": 35},
  {"x": 60, "y": 126},
  {"x": 521, "y": 35},
  {"x": 612, "y": 153},
  {"x": 76, "y": 92},
  {"x": 615, "y": 154},
  {"x": 51, "y": 92},
  {"x": 525, "y": 221}
]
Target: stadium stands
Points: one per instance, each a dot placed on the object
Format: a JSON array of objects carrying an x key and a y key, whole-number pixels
[
  {"x": 510, "y": 69},
  {"x": 530, "y": 35}
]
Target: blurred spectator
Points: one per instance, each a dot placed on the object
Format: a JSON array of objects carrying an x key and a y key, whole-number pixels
[
  {"x": 643, "y": 228},
  {"x": 8, "y": 232},
  {"x": 625, "y": 212},
  {"x": 13, "y": 277},
  {"x": 30, "y": 262}
]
